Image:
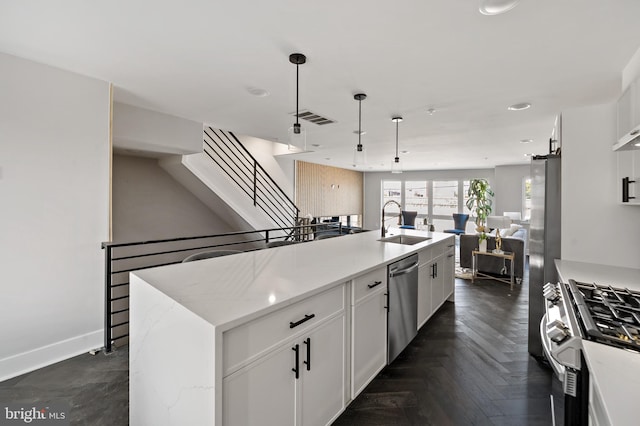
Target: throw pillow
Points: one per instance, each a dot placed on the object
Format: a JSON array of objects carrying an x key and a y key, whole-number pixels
[{"x": 507, "y": 232}]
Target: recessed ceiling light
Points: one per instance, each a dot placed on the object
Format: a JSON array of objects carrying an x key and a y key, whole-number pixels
[
  {"x": 496, "y": 7},
  {"x": 316, "y": 145},
  {"x": 528, "y": 155},
  {"x": 362, "y": 132},
  {"x": 430, "y": 111},
  {"x": 327, "y": 158},
  {"x": 405, "y": 152},
  {"x": 256, "y": 91},
  {"x": 526, "y": 140},
  {"x": 519, "y": 107}
]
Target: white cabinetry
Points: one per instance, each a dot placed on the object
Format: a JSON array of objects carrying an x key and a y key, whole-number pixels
[
  {"x": 289, "y": 366},
  {"x": 435, "y": 277},
  {"x": 424, "y": 286},
  {"x": 449, "y": 270},
  {"x": 629, "y": 168},
  {"x": 369, "y": 328}
]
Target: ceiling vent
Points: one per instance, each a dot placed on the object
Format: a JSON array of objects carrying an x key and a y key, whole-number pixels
[{"x": 313, "y": 117}]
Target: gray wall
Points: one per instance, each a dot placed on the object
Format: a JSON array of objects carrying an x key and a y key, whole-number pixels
[
  {"x": 509, "y": 187},
  {"x": 149, "y": 204}
]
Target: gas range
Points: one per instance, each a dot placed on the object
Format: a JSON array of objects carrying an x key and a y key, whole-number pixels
[
  {"x": 594, "y": 312},
  {"x": 608, "y": 315},
  {"x": 577, "y": 311}
]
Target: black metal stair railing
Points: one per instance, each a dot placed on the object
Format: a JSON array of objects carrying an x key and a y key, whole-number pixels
[
  {"x": 123, "y": 258},
  {"x": 224, "y": 149}
]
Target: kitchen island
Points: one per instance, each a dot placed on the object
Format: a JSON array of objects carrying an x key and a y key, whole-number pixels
[
  {"x": 614, "y": 372},
  {"x": 206, "y": 337}
]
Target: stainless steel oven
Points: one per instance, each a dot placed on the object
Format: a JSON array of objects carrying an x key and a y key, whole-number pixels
[{"x": 577, "y": 311}]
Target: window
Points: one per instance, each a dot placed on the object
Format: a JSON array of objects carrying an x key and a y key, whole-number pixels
[
  {"x": 392, "y": 190},
  {"x": 445, "y": 197},
  {"x": 465, "y": 196},
  {"x": 416, "y": 197},
  {"x": 526, "y": 211}
]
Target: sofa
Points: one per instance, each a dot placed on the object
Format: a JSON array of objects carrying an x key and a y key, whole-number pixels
[{"x": 514, "y": 242}]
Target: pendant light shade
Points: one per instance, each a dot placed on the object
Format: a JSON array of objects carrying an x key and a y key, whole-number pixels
[
  {"x": 359, "y": 154},
  {"x": 297, "y": 135},
  {"x": 496, "y": 7},
  {"x": 396, "y": 166}
]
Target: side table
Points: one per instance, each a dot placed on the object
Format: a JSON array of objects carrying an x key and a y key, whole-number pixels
[{"x": 504, "y": 255}]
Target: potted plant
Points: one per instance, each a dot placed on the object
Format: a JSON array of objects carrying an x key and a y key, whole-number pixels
[
  {"x": 480, "y": 202},
  {"x": 482, "y": 241}
]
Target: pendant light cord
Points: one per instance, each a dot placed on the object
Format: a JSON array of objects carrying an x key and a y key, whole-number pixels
[
  {"x": 297, "y": 84},
  {"x": 359, "y": 123},
  {"x": 397, "y": 121}
]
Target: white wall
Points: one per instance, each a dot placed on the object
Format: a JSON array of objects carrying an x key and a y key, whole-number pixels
[
  {"x": 508, "y": 186},
  {"x": 373, "y": 192},
  {"x": 143, "y": 130},
  {"x": 54, "y": 187},
  {"x": 596, "y": 228}
]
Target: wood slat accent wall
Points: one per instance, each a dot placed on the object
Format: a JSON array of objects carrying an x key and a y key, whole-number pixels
[{"x": 328, "y": 191}]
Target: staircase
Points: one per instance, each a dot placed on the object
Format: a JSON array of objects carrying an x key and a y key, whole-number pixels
[{"x": 228, "y": 179}]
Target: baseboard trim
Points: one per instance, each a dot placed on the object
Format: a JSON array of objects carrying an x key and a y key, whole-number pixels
[{"x": 34, "y": 359}]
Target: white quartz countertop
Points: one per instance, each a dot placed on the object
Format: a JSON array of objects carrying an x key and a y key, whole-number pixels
[
  {"x": 615, "y": 276},
  {"x": 230, "y": 290},
  {"x": 615, "y": 371}
]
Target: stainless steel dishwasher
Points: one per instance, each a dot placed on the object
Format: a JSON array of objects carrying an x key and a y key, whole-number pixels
[{"x": 402, "y": 319}]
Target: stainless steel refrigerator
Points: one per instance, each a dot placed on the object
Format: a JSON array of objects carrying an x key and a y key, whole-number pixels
[{"x": 544, "y": 239}]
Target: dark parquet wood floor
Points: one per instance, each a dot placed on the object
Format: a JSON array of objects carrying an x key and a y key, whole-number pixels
[{"x": 469, "y": 365}]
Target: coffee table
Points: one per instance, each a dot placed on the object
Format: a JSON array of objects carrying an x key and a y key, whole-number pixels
[{"x": 504, "y": 255}]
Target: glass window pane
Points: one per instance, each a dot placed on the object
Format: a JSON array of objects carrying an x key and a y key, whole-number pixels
[
  {"x": 391, "y": 190},
  {"x": 416, "y": 197},
  {"x": 445, "y": 197},
  {"x": 527, "y": 199},
  {"x": 465, "y": 194}
]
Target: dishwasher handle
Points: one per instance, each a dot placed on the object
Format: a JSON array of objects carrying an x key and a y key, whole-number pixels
[{"x": 398, "y": 272}]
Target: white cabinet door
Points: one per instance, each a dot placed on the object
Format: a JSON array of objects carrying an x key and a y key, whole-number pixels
[
  {"x": 449, "y": 273},
  {"x": 424, "y": 294},
  {"x": 369, "y": 337},
  {"x": 263, "y": 393},
  {"x": 437, "y": 283},
  {"x": 322, "y": 373}
]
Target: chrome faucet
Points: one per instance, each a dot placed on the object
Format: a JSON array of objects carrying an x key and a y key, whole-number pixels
[{"x": 383, "y": 231}]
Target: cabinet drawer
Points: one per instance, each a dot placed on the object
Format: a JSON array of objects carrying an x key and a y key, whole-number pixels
[
  {"x": 242, "y": 344},
  {"x": 369, "y": 283}
]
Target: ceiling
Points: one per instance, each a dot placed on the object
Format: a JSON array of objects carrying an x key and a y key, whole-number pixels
[{"x": 202, "y": 59}]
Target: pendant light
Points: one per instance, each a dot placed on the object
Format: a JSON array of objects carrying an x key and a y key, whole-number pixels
[
  {"x": 297, "y": 135},
  {"x": 496, "y": 7},
  {"x": 359, "y": 155},
  {"x": 396, "y": 167}
]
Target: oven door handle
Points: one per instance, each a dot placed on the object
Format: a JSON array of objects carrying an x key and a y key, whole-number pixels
[{"x": 558, "y": 368}]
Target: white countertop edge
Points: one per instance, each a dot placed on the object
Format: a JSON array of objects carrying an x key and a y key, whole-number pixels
[
  {"x": 615, "y": 276},
  {"x": 616, "y": 374},
  {"x": 401, "y": 251}
]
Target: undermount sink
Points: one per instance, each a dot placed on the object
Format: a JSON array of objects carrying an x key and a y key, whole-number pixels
[{"x": 408, "y": 240}]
